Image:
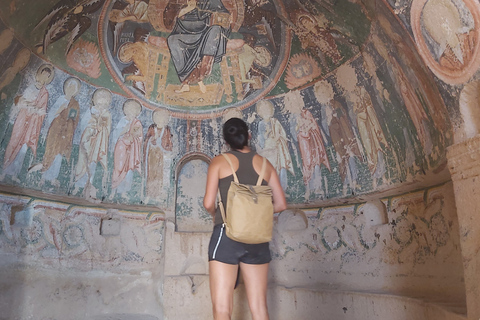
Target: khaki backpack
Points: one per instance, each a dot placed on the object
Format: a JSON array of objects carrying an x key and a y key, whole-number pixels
[{"x": 249, "y": 217}]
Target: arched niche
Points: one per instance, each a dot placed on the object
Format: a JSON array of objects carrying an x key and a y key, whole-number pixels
[{"x": 190, "y": 178}]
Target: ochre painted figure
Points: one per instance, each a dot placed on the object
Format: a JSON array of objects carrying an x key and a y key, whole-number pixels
[
  {"x": 32, "y": 108},
  {"x": 127, "y": 156}
]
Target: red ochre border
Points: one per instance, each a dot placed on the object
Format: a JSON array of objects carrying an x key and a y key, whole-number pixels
[{"x": 461, "y": 76}]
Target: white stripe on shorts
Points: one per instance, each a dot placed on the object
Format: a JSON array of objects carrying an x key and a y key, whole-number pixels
[{"x": 218, "y": 242}]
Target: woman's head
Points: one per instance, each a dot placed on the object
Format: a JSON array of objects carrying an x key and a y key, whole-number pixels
[{"x": 235, "y": 133}]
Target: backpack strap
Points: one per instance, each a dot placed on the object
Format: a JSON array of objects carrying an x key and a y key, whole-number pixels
[
  {"x": 262, "y": 171},
  {"x": 259, "y": 182},
  {"x": 231, "y": 166}
]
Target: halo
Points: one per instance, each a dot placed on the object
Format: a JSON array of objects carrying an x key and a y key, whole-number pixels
[
  {"x": 101, "y": 94},
  {"x": 45, "y": 67},
  {"x": 120, "y": 52},
  {"x": 133, "y": 103},
  {"x": 265, "y": 109},
  {"x": 159, "y": 116},
  {"x": 72, "y": 80},
  {"x": 265, "y": 54}
]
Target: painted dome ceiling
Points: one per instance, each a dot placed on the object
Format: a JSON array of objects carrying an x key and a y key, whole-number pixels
[{"x": 338, "y": 99}]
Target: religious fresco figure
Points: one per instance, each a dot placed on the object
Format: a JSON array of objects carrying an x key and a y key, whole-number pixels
[
  {"x": 157, "y": 147},
  {"x": 345, "y": 143},
  {"x": 316, "y": 36},
  {"x": 221, "y": 55},
  {"x": 21, "y": 60},
  {"x": 59, "y": 140},
  {"x": 67, "y": 17},
  {"x": 84, "y": 57},
  {"x": 198, "y": 39},
  {"x": 93, "y": 148},
  {"x": 250, "y": 57},
  {"x": 401, "y": 55},
  {"x": 30, "y": 110},
  {"x": 365, "y": 119},
  {"x": 10, "y": 82},
  {"x": 422, "y": 103},
  {"x": 123, "y": 11},
  {"x": 414, "y": 107},
  {"x": 371, "y": 133},
  {"x": 340, "y": 130},
  {"x": 312, "y": 148},
  {"x": 455, "y": 42},
  {"x": 273, "y": 141},
  {"x": 131, "y": 10},
  {"x": 127, "y": 155},
  {"x": 302, "y": 68}
]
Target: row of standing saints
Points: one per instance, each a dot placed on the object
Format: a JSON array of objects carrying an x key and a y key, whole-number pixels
[
  {"x": 130, "y": 146},
  {"x": 137, "y": 148}
]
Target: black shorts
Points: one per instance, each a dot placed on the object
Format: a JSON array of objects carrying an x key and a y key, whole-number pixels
[{"x": 226, "y": 250}]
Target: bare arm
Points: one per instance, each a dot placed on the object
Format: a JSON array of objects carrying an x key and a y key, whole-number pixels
[
  {"x": 279, "y": 201},
  {"x": 212, "y": 186}
]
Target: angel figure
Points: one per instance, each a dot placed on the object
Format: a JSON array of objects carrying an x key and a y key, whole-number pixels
[
  {"x": 67, "y": 17},
  {"x": 130, "y": 10},
  {"x": 316, "y": 37}
]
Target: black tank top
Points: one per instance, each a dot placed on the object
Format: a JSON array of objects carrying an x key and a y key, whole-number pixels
[{"x": 245, "y": 173}]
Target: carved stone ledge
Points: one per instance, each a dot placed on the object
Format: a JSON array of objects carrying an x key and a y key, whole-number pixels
[{"x": 464, "y": 159}]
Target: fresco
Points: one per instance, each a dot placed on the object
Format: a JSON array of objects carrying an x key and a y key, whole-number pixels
[
  {"x": 340, "y": 109},
  {"x": 154, "y": 50},
  {"x": 144, "y": 47},
  {"x": 451, "y": 51}
]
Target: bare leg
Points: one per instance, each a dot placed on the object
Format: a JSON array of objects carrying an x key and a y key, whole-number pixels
[
  {"x": 255, "y": 277},
  {"x": 222, "y": 283}
]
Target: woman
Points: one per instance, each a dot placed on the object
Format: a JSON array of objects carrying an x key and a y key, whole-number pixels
[{"x": 225, "y": 255}]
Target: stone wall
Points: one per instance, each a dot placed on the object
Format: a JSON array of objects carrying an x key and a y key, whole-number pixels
[{"x": 141, "y": 258}]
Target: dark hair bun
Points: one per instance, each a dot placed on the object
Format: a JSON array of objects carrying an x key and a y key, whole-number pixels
[{"x": 235, "y": 133}]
